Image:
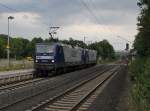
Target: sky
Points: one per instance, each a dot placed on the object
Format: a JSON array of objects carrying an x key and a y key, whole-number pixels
[{"x": 113, "y": 20}]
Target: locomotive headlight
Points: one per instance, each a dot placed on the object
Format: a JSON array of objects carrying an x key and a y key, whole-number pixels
[
  {"x": 36, "y": 60},
  {"x": 53, "y": 61}
]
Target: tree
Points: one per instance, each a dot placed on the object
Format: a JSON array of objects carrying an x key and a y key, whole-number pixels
[
  {"x": 140, "y": 67},
  {"x": 74, "y": 43},
  {"x": 31, "y": 45},
  {"x": 3, "y": 43},
  {"x": 52, "y": 40},
  {"x": 19, "y": 47},
  {"x": 142, "y": 41},
  {"x": 104, "y": 49}
]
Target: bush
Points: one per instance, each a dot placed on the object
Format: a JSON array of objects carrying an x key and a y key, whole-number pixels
[
  {"x": 136, "y": 68},
  {"x": 140, "y": 74}
]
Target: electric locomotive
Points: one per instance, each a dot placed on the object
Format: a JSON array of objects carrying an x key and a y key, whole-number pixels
[{"x": 59, "y": 57}]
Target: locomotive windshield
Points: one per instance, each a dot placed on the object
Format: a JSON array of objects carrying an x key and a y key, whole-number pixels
[{"x": 43, "y": 48}]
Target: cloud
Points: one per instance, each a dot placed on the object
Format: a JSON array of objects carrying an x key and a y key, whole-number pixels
[
  {"x": 14, "y": 2},
  {"x": 64, "y": 12},
  {"x": 33, "y": 17}
]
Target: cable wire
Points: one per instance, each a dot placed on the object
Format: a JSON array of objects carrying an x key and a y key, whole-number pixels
[
  {"x": 97, "y": 20},
  {"x": 9, "y": 8}
]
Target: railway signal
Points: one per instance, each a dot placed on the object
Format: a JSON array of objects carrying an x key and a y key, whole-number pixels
[{"x": 127, "y": 47}]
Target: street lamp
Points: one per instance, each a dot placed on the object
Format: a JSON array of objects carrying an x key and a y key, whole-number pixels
[{"x": 8, "y": 41}]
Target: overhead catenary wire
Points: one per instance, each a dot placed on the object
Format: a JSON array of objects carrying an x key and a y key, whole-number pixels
[
  {"x": 85, "y": 4},
  {"x": 118, "y": 36},
  {"x": 124, "y": 39},
  {"x": 91, "y": 13},
  {"x": 9, "y": 8}
]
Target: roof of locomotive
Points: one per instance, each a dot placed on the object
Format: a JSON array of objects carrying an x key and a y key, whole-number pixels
[
  {"x": 58, "y": 43},
  {"x": 47, "y": 43},
  {"x": 65, "y": 45}
]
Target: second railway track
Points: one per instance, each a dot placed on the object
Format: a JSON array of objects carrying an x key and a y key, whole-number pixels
[
  {"x": 19, "y": 84},
  {"x": 74, "y": 97}
]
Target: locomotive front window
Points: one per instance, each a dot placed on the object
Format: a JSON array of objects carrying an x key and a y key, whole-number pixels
[{"x": 44, "y": 48}]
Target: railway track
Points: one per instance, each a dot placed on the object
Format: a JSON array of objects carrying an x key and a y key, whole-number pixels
[
  {"x": 14, "y": 86},
  {"x": 19, "y": 84},
  {"x": 73, "y": 98},
  {"x": 11, "y": 104}
]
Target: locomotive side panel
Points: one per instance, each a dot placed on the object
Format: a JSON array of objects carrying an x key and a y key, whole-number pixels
[
  {"x": 72, "y": 56},
  {"x": 92, "y": 56}
]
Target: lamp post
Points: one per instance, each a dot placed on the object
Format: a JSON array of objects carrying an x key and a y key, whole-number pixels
[{"x": 8, "y": 42}]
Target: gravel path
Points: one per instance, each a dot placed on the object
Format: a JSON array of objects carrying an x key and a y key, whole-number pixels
[
  {"x": 125, "y": 102},
  {"x": 115, "y": 97}
]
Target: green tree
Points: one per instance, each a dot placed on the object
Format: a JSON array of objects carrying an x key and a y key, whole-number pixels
[
  {"x": 142, "y": 41},
  {"x": 74, "y": 43},
  {"x": 52, "y": 40},
  {"x": 19, "y": 47},
  {"x": 104, "y": 49},
  {"x": 140, "y": 68},
  {"x": 3, "y": 43},
  {"x": 31, "y": 45}
]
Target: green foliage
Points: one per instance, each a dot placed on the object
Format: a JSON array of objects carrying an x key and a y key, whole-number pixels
[
  {"x": 2, "y": 46},
  {"x": 104, "y": 49},
  {"x": 142, "y": 41},
  {"x": 52, "y": 40},
  {"x": 21, "y": 48},
  {"x": 136, "y": 68},
  {"x": 140, "y": 70},
  {"x": 73, "y": 43},
  {"x": 31, "y": 46}
]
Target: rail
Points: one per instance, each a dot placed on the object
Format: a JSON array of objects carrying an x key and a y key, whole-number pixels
[{"x": 73, "y": 97}]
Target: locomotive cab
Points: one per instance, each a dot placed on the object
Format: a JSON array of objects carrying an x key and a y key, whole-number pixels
[
  {"x": 48, "y": 57},
  {"x": 44, "y": 56}
]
